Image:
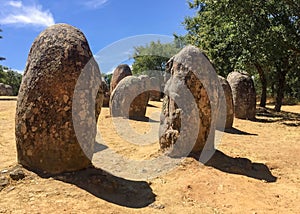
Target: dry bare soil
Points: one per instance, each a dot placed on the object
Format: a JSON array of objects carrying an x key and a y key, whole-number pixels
[{"x": 256, "y": 169}]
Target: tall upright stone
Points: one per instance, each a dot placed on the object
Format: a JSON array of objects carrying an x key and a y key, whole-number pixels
[
  {"x": 155, "y": 94},
  {"x": 106, "y": 93},
  {"x": 53, "y": 98},
  {"x": 190, "y": 105},
  {"x": 228, "y": 104},
  {"x": 119, "y": 73},
  {"x": 244, "y": 95}
]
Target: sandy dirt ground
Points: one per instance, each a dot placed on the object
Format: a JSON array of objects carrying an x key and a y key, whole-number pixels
[{"x": 256, "y": 169}]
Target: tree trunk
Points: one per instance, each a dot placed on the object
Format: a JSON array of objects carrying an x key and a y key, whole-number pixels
[
  {"x": 263, "y": 80},
  {"x": 281, "y": 75},
  {"x": 280, "y": 91}
]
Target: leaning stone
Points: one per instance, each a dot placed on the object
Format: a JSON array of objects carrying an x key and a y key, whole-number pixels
[
  {"x": 244, "y": 95},
  {"x": 53, "y": 102}
]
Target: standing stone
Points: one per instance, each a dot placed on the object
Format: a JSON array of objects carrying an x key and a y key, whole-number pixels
[
  {"x": 244, "y": 95},
  {"x": 130, "y": 98},
  {"x": 105, "y": 89},
  {"x": 120, "y": 73},
  {"x": 45, "y": 132},
  {"x": 2, "y": 89},
  {"x": 229, "y": 113},
  {"x": 9, "y": 90},
  {"x": 188, "y": 118},
  {"x": 155, "y": 94}
]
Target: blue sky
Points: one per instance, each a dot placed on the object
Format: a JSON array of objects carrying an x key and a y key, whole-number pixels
[{"x": 105, "y": 23}]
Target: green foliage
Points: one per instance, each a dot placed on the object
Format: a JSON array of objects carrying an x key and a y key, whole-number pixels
[
  {"x": 152, "y": 58},
  {"x": 292, "y": 87},
  {"x": 258, "y": 36},
  {"x": 10, "y": 77},
  {"x": 107, "y": 79}
]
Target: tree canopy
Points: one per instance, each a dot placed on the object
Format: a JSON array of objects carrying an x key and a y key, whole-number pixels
[
  {"x": 262, "y": 37},
  {"x": 151, "y": 59}
]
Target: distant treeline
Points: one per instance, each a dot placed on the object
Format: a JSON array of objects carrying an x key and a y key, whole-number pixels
[{"x": 10, "y": 77}]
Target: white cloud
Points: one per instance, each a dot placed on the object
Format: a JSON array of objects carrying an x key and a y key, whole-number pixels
[
  {"x": 17, "y": 70},
  {"x": 94, "y": 4},
  {"x": 16, "y": 13},
  {"x": 17, "y": 4}
]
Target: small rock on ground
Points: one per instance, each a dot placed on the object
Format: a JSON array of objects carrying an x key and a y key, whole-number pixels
[{"x": 17, "y": 174}]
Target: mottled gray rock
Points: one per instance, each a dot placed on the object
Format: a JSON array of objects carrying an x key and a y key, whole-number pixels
[
  {"x": 188, "y": 118},
  {"x": 229, "y": 113},
  {"x": 244, "y": 95},
  {"x": 130, "y": 97},
  {"x": 17, "y": 174},
  {"x": 49, "y": 108},
  {"x": 5, "y": 90},
  {"x": 119, "y": 73}
]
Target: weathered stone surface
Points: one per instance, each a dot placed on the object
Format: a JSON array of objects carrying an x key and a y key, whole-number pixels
[
  {"x": 188, "y": 118},
  {"x": 49, "y": 107},
  {"x": 120, "y": 73},
  {"x": 244, "y": 95},
  {"x": 5, "y": 90},
  {"x": 130, "y": 97},
  {"x": 229, "y": 113},
  {"x": 155, "y": 94}
]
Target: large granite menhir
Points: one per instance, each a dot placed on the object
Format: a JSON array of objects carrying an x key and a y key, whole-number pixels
[
  {"x": 45, "y": 133},
  {"x": 190, "y": 105}
]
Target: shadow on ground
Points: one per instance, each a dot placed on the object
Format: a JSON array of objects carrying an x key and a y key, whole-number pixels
[
  {"x": 133, "y": 194},
  {"x": 98, "y": 147},
  {"x": 237, "y": 131},
  {"x": 268, "y": 115},
  {"x": 143, "y": 119},
  {"x": 8, "y": 98},
  {"x": 240, "y": 166},
  {"x": 150, "y": 105}
]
